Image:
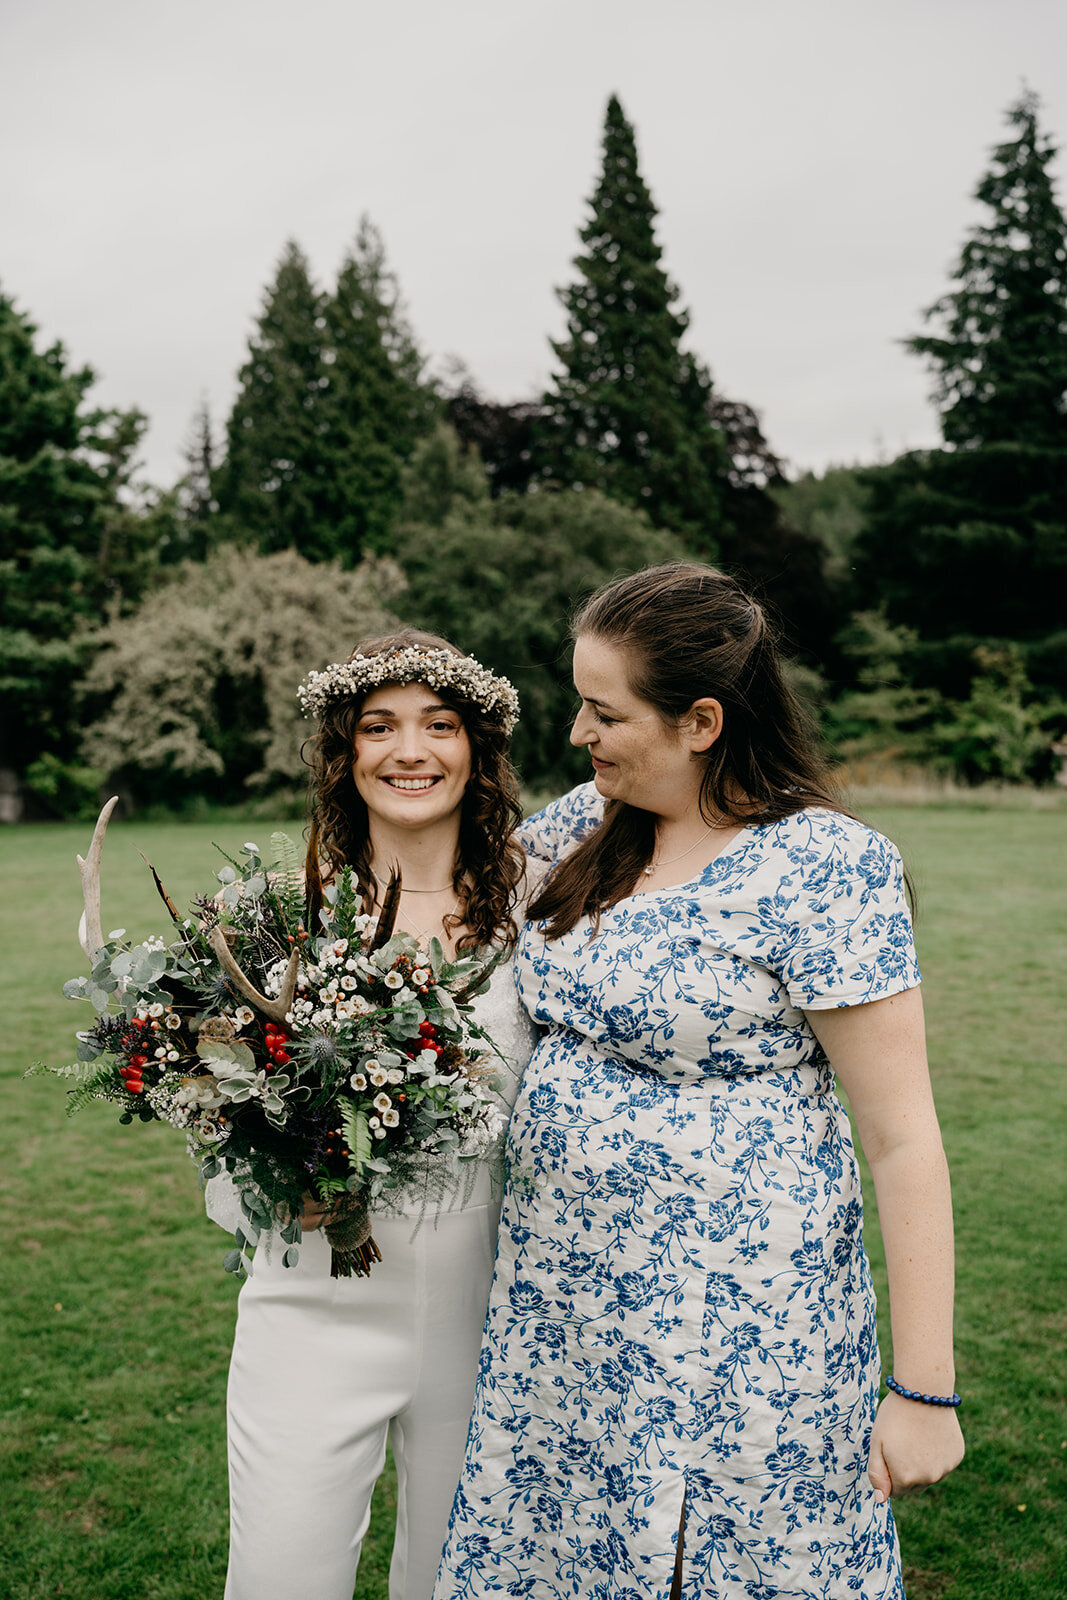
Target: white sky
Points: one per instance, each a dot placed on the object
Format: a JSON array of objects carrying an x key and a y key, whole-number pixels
[{"x": 812, "y": 160}]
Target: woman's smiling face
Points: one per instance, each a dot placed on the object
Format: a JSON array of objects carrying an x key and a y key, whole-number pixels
[
  {"x": 636, "y": 756},
  {"x": 412, "y": 756}
]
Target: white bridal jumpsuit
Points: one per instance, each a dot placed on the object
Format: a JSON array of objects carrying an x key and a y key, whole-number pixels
[{"x": 325, "y": 1370}]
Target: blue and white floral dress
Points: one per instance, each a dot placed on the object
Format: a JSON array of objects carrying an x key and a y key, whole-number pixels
[{"x": 682, "y": 1306}]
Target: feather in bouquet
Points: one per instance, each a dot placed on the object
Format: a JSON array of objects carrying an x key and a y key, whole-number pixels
[{"x": 342, "y": 1062}]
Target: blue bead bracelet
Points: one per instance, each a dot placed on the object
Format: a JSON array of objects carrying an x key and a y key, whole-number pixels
[{"x": 924, "y": 1399}]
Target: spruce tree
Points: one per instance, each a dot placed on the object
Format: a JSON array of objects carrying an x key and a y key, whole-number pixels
[
  {"x": 627, "y": 412},
  {"x": 196, "y": 526},
  {"x": 71, "y": 539},
  {"x": 375, "y": 406},
  {"x": 1000, "y": 352},
  {"x": 270, "y": 487},
  {"x": 969, "y": 543}
]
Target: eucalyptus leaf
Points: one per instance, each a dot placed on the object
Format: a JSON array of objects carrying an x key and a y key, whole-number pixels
[
  {"x": 256, "y": 885},
  {"x": 76, "y": 988},
  {"x": 99, "y": 998},
  {"x": 291, "y": 1256},
  {"x": 226, "y": 875},
  {"x": 233, "y": 1261}
]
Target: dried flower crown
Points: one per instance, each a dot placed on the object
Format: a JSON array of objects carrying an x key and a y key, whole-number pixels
[{"x": 414, "y": 664}]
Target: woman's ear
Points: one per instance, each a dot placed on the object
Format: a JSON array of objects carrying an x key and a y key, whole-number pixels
[{"x": 702, "y": 724}]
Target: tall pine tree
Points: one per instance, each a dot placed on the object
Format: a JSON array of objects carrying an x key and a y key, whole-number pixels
[
  {"x": 376, "y": 405},
  {"x": 271, "y": 485},
  {"x": 71, "y": 538},
  {"x": 1000, "y": 352},
  {"x": 628, "y": 411},
  {"x": 969, "y": 543}
]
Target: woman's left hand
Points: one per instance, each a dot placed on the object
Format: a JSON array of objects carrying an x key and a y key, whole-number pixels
[{"x": 912, "y": 1445}]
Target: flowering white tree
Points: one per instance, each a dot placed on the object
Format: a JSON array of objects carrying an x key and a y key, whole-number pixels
[{"x": 196, "y": 691}]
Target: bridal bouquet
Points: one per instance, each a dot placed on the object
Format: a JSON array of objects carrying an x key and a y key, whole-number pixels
[{"x": 341, "y": 1061}]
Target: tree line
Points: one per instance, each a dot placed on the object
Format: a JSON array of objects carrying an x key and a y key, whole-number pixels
[{"x": 154, "y": 637}]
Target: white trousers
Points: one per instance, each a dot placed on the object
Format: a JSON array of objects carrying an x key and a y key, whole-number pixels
[{"x": 324, "y": 1371}]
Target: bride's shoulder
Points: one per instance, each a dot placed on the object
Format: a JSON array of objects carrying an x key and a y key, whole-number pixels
[{"x": 554, "y": 830}]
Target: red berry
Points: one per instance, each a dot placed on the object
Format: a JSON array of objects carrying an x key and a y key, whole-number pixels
[
  {"x": 282, "y": 1057},
  {"x": 135, "y": 1088},
  {"x": 427, "y": 1030}
]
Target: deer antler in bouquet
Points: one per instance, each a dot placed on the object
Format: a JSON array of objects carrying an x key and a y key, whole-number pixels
[
  {"x": 90, "y": 928},
  {"x": 276, "y": 1010}
]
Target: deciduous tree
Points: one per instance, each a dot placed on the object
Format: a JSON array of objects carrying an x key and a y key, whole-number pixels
[{"x": 195, "y": 693}]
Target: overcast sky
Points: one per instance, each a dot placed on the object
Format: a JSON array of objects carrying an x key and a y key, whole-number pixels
[{"x": 812, "y": 161}]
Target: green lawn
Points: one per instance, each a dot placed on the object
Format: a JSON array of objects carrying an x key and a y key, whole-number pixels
[{"x": 117, "y": 1317}]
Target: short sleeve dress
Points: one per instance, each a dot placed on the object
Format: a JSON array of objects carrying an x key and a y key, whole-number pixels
[{"x": 682, "y": 1307}]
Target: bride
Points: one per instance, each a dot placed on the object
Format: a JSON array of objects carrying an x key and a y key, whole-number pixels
[{"x": 410, "y": 770}]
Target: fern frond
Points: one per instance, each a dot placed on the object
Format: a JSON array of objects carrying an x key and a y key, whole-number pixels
[
  {"x": 287, "y": 879},
  {"x": 357, "y": 1133},
  {"x": 100, "y": 1086},
  {"x": 330, "y": 1188}
]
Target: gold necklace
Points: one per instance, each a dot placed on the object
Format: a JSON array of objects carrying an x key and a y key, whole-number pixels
[
  {"x": 653, "y": 864},
  {"x": 383, "y": 885}
]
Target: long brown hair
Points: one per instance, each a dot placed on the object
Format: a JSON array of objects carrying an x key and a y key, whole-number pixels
[
  {"x": 689, "y": 631},
  {"x": 489, "y": 864}
]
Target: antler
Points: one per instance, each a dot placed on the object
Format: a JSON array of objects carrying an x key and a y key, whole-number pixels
[
  {"x": 276, "y": 1010},
  {"x": 90, "y": 929}
]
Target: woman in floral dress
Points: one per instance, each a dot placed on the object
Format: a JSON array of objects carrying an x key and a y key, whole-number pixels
[{"x": 678, "y": 1385}]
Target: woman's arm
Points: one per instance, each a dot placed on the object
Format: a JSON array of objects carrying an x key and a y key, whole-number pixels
[{"x": 879, "y": 1054}]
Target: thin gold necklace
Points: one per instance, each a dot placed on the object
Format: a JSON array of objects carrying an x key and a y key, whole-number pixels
[
  {"x": 383, "y": 885},
  {"x": 653, "y": 864}
]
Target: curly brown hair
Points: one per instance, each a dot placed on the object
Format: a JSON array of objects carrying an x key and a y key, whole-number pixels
[{"x": 489, "y": 864}]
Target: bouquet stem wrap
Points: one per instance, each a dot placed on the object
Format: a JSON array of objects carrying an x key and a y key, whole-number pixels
[{"x": 354, "y": 1251}]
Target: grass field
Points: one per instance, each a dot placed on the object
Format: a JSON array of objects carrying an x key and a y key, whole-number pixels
[{"x": 117, "y": 1318}]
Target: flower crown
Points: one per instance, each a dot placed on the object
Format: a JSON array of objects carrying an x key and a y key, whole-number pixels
[{"x": 414, "y": 664}]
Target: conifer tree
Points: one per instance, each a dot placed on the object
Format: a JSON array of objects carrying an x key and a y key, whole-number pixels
[
  {"x": 1000, "y": 355},
  {"x": 270, "y": 488},
  {"x": 969, "y": 543},
  {"x": 628, "y": 409},
  {"x": 70, "y": 537},
  {"x": 376, "y": 405},
  {"x": 195, "y": 519}
]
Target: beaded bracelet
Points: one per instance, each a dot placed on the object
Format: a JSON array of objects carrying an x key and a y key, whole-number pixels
[{"x": 924, "y": 1399}]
